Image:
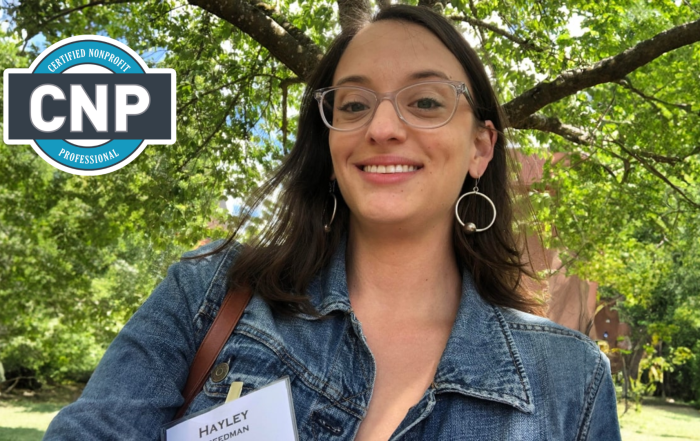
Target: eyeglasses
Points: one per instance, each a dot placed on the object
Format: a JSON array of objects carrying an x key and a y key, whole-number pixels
[{"x": 426, "y": 105}]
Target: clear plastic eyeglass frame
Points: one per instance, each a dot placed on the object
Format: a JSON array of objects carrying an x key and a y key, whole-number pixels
[{"x": 459, "y": 88}]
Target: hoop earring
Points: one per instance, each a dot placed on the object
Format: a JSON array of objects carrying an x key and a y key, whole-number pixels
[
  {"x": 331, "y": 190},
  {"x": 470, "y": 227}
]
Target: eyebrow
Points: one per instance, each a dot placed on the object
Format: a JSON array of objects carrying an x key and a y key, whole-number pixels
[{"x": 361, "y": 79}]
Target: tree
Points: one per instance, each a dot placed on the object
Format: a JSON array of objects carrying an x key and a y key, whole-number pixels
[{"x": 610, "y": 84}]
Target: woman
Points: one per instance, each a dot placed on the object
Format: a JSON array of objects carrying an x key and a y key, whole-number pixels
[{"x": 391, "y": 319}]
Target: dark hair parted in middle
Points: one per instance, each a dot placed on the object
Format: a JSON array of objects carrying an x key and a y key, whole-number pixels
[{"x": 283, "y": 260}]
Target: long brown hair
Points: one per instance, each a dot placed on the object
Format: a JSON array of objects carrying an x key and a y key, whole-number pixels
[{"x": 294, "y": 247}]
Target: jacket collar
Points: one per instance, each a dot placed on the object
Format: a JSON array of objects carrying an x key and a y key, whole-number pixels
[{"x": 480, "y": 359}]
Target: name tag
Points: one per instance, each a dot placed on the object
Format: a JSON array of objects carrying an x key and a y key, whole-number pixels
[{"x": 266, "y": 414}]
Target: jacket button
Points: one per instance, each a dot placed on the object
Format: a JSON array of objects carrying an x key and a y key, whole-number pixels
[{"x": 219, "y": 372}]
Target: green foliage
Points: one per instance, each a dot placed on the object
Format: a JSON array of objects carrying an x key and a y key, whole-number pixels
[
  {"x": 638, "y": 390},
  {"x": 80, "y": 254},
  {"x": 654, "y": 367}
]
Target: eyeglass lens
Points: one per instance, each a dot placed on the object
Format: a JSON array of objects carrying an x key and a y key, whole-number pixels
[{"x": 423, "y": 105}]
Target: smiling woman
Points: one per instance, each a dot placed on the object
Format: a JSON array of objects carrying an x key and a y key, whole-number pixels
[{"x": 387, "y": 287}]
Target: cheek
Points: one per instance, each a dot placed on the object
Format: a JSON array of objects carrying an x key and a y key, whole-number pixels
[
  {"x": 454, "y": 151},
  {"x": 342, "y": 147},
  {"x": 334, "y": 150},
  {"x": 338, "y": 145},
  {"x": 340, "y": 150}
]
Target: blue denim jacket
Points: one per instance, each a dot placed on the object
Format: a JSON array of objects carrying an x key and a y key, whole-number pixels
[{"x": 504, "y": 374}]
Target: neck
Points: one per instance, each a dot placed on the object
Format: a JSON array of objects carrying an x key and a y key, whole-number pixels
[{"x": 412, "y": 276}]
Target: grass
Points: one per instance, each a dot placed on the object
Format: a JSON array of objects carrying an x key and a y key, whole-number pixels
[
  {"x": 25, "y": 418},
  {"x": 659, "y": 421}
]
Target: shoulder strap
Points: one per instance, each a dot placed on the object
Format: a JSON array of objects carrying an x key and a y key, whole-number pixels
[{"x": 226, "y": 319}]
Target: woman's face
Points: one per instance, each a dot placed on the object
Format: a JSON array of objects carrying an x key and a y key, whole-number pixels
[{"x": 385, "y": 57}]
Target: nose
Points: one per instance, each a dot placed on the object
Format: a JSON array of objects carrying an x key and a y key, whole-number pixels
[{"x": 386, "y": 125}]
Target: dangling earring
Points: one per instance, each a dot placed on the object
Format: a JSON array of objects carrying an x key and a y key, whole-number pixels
[
  {"x": 331, "y": 190},
  {"x": 470, "y": 227}
]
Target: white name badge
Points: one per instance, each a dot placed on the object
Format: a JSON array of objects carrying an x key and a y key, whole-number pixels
[{"x": 266, "y": 414}]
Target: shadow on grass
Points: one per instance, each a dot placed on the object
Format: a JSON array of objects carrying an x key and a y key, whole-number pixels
[
  {"x": 679, "y": 412},
  {"x": 20, "y": 434},
  {"x": 32, "y": 405},
  {"x": 28, "y": 406}
]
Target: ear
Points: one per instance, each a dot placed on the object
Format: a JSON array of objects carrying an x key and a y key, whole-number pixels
[{"x": 484, "y": 142}]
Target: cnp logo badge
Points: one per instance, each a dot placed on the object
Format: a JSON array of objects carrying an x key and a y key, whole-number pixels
[{"x": 89, "y": 105}]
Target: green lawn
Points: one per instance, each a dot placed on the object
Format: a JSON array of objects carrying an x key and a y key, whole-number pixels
[
  {"x": 656, "y": 422},
  {"x": 26, "y": 418}
]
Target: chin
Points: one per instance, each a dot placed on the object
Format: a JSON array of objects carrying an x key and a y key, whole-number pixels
[{"x": 384, "y": 216}]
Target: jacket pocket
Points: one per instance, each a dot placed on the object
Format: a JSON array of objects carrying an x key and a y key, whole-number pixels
[{"x": 249, "y": 360}]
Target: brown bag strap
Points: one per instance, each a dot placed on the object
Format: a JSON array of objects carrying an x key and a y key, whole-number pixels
[{"x": 226, "y": 319}]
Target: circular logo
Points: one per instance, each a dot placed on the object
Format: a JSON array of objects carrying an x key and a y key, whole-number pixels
[{"x": 73, "y": 61}]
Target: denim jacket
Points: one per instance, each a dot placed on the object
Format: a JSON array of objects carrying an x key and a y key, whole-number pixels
[{"x": 504, "y": 374}]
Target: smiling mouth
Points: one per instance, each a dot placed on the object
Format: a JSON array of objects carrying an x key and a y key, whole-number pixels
[{"x": 385, "y": 169}]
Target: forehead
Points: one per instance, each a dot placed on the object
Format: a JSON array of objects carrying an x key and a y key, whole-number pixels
[{"x": 389, "y": 53}]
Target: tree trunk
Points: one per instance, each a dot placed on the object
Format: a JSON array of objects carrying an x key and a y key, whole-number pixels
[
  {"x": 434, "y": 4},
  {"x": 626, "y": 384},
  {"x": 353, "y": 13}
]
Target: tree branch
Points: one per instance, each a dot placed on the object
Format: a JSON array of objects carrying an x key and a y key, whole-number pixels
[
  {"x": 627, "y": 84},
  {"x": 40, "y": 21},
  {"x": 672, "y": 160},
  {"x": 87, "y": 5},
  {"x": 199, "y": 95},
  {"x": 15, "y": 382},
  {"x": 432, "y": 4},
  {"x": 496, "y": 30},
  {"x": 353, "y": 13},
  {"x": 281, "y": 20},
  {"x": 285, "y": 89},
  {"x": 472, "y": 7},
  {"x": 262, "y": 22},
  {"x": 232, "y": 104},
  {"x": 578, "y": 136},
  {"x": 607, "y": 70},
  {"x": 480, "y": 33},
  {"x": 655, "y": 172},
  {"x": 690, "y": 6},
  {"x": 568, "y": 132},
  {"x": 554, "y": 125},
  {"x": 159, "y": 16},
  {"x": 605, "y": 168},
  {"x": 284, "y": 119}
]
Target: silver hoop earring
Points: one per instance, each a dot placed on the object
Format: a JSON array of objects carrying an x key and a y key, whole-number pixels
[
  {"x": 331, "y": 190},
  {"x": 470, "y": 227}
]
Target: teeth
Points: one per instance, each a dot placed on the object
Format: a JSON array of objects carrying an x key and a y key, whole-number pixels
[{"x": 389, "y": 168}]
